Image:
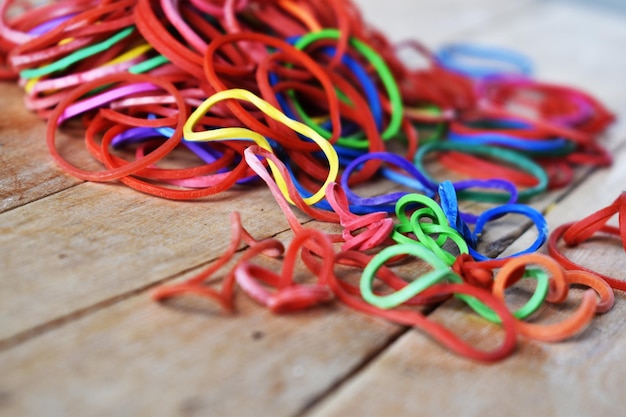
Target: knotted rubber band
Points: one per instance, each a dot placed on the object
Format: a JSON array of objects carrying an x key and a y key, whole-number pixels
[
  {"x": 578, "y": 232},
  {"x": 224, "y": 296},
  {"x": 289, "y": 296}
]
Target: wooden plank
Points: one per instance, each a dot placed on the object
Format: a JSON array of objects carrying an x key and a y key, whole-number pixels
[
  {"x": 94, "y": 242},
  {"x": 141, "y": 358},
  {"x": 576, "y": 377},
  {"x": 27, "y": 173}
]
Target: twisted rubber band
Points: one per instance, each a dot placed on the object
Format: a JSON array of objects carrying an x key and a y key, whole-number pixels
[
  {"x": 435, "y": 330},
  {"x": 238, "y": 133},
  {"x": 578, "y": 232},
  {"x": 289, "y": 295}
]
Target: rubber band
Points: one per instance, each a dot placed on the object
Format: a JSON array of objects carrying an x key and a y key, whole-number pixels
[
  {"x": 540, "y": 224},
  {"x": 366, "y": 83},
  {"x": 289, "y": 296},
  {"x": 238, "y": 133},
  {"x": 600, "y": 286},
  {"x": 435, "y": 330},
  {"x": 560, "y": 104},
  {"x": 508, "y": 156},
  {"x": 439, "y": 274},
  {"x": 451, "y": 57},
  {"x": 117, "y": 173},
  {"x": 376, "y": 61},
  {"x": 576, "y": 233},
  {"x": 423, "y": 230},
  {"x": 557, "y": 331},
  {"x": 377, "y": 226},
  {"x": 196, "y": 284},
  {"x": 420, "y": 182}
]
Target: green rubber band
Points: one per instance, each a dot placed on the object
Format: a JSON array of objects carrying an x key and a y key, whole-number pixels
[
  {"x": 439, "y": 274},
  {"x": 148, "y": 64},
  {"x": 395, "y": 99},
  {"x": 408, "y": 199},
  {"x": 535, "y": 301},
  {"x": 76, "y": 56},
  {"x": 514, "y": 158},
  {"x": 424, "y": 230}
]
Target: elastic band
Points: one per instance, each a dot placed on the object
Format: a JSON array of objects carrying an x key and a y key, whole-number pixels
[
  {"x": 451, "y": 57},
  {"x": 508, "y": 156},
  {"x": 439, "y": 274},
  {"x": 76, "y": 56},
  {"x": 238, "y": 133},
  {"x": 534, "y": 215}
]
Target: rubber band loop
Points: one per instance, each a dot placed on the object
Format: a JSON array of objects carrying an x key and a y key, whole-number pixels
[
  {"x": 509, "y": 156},
  {"x": 534, "y": 215},
  {"x": 440, "y": 273},
  {"x": 381, "y": 67},
  {"x": 450, "y": 57},
  {"x": 238, "y": 133}
]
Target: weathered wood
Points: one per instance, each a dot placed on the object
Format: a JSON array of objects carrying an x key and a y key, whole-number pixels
[
  {"x": 27, "y": 172},
  {"x": 93, "y": 242},
  {"x": 118, "y": 353},
  {"x": 142, "y": 358},
  {"x": 577, "y": 377}
]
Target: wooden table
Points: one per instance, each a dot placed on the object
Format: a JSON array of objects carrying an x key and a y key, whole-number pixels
[{"x": 80, "y": 336}]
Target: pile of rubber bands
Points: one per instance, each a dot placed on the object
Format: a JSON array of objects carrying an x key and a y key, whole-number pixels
[{"x": 312, "y": 100}]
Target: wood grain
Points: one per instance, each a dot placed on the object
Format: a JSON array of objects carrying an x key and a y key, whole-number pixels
[
  {"x": 576, "y": 377},
  {"x": 27, "y": 172},
  {"x": 82, "y": 337},
  {"x": 186, "y": 358}
]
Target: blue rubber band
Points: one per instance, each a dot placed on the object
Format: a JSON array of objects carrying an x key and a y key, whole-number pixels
[
  {"x": 367, "y": 84},
  {"x": 450, "y": 206},
  {"x": 452, "y": 56},
  {"x": 531, "y": 213},
  {"x": 386, "y": 199},
  {"x": 509, "y": 141}
]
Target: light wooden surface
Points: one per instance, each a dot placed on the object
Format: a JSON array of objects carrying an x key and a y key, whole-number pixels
[{"x": 79, "y": 335}]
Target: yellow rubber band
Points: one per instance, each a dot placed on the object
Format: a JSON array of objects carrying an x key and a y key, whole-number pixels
[
  {"x": 130, "y": 54},
  {"x": 243, "y": 133}
]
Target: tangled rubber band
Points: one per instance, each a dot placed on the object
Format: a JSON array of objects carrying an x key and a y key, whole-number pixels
[
  {"x": 238, "y": 133},
  {"x": 188, "y": 99},
  {"x": 575, "y": 233}
]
